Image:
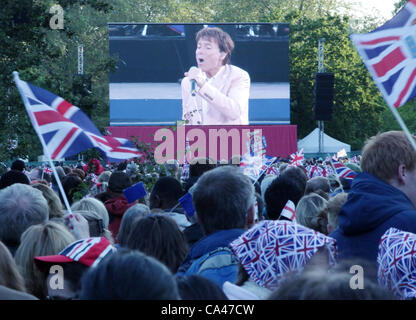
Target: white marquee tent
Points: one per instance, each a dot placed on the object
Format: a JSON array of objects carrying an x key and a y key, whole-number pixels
[{"x": 310, "y": 143}]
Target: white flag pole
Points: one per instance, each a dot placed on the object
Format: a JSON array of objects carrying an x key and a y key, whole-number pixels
[
  {"x": 403, "y": 125},
  {"x": 42, "y": 141}
]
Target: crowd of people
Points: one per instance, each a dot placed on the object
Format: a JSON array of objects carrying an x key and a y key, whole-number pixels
[{"x": 238, "y": 245}]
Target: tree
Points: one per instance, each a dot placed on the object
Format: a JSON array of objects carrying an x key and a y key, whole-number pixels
[
  {"x": 357, "y": 104},
  {"x": 43, "y": 57}
]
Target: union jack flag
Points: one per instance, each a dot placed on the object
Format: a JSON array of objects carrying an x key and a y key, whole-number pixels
[
  {"x": 47, "y": 170},
  {"x": 342, "y": 171},
  {"x": 252, "y": 165},
  {"x": 316, "y": 171},
  {"x": 66, "y": 130},
  {"x": 297, "y": 158},
  {"x": 267, "y": 166},
  {"x": 396, "y": 260},
  {"x": 271, "y": 250},
  {"x": 389, "y": 54}
]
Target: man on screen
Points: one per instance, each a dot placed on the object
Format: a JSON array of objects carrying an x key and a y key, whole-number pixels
[{"x": 215, "y": 93}]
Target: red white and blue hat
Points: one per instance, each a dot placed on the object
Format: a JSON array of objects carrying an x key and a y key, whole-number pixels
[
  {"x": 89, "y": 252},
  {"x": 396, "y": 263},
  {"x": 273, "y": 249}
]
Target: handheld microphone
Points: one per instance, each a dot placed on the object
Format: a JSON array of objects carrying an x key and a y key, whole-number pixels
[{"x": 193, "y": 87}]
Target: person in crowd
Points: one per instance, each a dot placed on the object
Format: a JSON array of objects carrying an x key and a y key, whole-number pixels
[
  {"x": 396, "y": 260},
  {"x": 67, "y": 169},
  {"x": 61, "y": 175},
  {"x": 312, "y": 212},
  {"x": 94, "y": 205},
  {"x": 258, "y": 214},
  {"x": 77, "y": 172},
  {"x": 224, "y": 201},
  {"x": 265, "y": 183},
  {"x": 158, "y": 236},
  {"x": 297, "y": 174},
  {"x": 197, "y": 168},
  {"x": 133, "y": 213},
  {"x": 94, "y": 166},
  {"x": 18, "y": 165},
  {"x": 273, "y": 250},
  {"x": 381, "y": 197},
  {"x": 38, "y": 240},
  {"x": 319, "y": 284},
  {"x": 56, "y": 210},
  {"x": 95, "y": 223},
  {"x": 72, "y": 185},
  {"x": 196, "y": 287},
  {"x": 114, "y": 199},
  {"x": 129, "y": 275},
  {"x": 335, "y": 184},
  {"x": 102, "y": 183},
  {"x": 317, "y": 184},
  {"x": 21, "y": 206},
  {"x": 74, "y": 260},
  {"x": 222, "y": 93},
  {"x": 334, "y": 206},
  {"x": 282, "y": 189},
  {"x": 11, "y": 177},
  {"x": 165, "y": 195},
  {"x": 10, "y": 277}
]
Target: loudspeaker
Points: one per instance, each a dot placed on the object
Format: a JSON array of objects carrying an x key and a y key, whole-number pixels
[{"x": 324, "y": 96}]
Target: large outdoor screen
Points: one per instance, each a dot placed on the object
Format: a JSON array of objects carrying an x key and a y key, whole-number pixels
[{"x": 152, "y": 58}]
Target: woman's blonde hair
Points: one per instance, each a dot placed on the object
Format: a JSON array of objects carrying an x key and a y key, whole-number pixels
[
  {"x": 54, "y": 203},
  {"x": 95, "y": 205},
  {"x": 45, "y": 239},
  {"x": 311, "y": 212}
]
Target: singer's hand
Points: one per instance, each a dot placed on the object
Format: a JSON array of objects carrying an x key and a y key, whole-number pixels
[{"x": 195, "y": 74}]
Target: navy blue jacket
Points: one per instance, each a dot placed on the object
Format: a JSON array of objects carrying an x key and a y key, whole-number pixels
[{"x": 372, "y": 207}]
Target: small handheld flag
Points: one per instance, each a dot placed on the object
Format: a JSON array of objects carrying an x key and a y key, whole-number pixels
[
  {"x": 289, "y": 211},
  {"x": 187, "y": 205},
  {"x": 135, "y": 192}
]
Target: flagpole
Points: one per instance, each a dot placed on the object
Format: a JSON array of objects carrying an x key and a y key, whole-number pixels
[
  {"x": 403, "y": 125},
  {"x": 42, "y": 141}
]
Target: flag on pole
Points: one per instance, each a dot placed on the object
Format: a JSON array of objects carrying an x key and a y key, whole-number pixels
[
  {"x": 267, "y": 166},
  {"x": 66, "y": 130},
  {"x": 389, "y": 54},
  {"x": 342, "y": 171},
  {"x": 251, "y": 165},
  {"x": 297, "y": 158}
]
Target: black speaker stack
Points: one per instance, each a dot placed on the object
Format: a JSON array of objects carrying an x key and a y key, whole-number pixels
[{"x": 324, "y": 96}]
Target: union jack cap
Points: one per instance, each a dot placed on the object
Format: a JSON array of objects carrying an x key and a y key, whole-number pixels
[
  {"x": 396, "y": 260},
  {"x": 274, "y": 249},
  {"x": 89, "y": 252}
]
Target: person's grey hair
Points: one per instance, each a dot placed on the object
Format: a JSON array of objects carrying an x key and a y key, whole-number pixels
[
  {"x": 134, "y": 212},
  {"x": 311, "y": 212},
  {"x": 104, "y": 176},
  {"x": 94, "y": 205},
  {"x": 21, "y": 206},
  {"x": 266, "y": 183},
  {"x": 317, "y": 183},
  {"x": 172, "y": 168},
  {"x": 222, "y": 198},
  {"x": 35, "y": 173}
]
